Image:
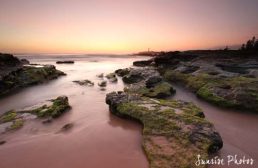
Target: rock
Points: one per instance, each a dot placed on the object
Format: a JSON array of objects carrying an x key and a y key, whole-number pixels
[
  {"x": 134, "y": 76},
  {"x": 143, "y": 63},
  {"x": 173, "y": 58},
  {"x": 26, "y": 76},
  {"x": 168, "y": 125},
  {"x": 25, "y": 61},
  {"x": 152, "y": 81},
  {"x": 47, "y": 121},
  {"x": 65, "y": 62},
  {"x": 113, "y": 80},
  {"x": 8, "y": 60},
  {"x": 161, "y": 90},
  {"x": 188, "y": 69},
  {"x": 55, "y": 109},
  {"x": 223, "y": 80},
  {"x": 85, "y": 82},
  {"x": 122, "y": 72},
  {"x": 67, "y": 127},
  {"x": 13, "y": 120},
  {"x": 112, "y": 77},
  {"x": 2, "y": 142},
  {"x": 103, "y": 84},
  {"x": 100, "y": 75},
  {"x": 254, "y": 73}
]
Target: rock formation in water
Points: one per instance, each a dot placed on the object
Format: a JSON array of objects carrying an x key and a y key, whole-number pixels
[
  {"x": 225, "y": 78},
  {"x": 65, "y": 62},
  {"x": 52, "y": 109},
  {"x": 15, "y": 73},
  {"x": 174, "y": 131}
]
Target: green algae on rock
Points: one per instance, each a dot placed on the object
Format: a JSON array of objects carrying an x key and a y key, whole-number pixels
[
  {"x": 26, "y": 76},
  {"x": 160, "y": 90},
  {"x": 235, "y": 92},
  {"x": 54, "y": 108},
  {"x": 147, "y": 82},
  {"x": 85, "y": 82},
  {"x": 174, "y": 131}
]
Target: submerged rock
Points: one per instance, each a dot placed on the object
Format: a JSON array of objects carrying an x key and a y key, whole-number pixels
[
  {"x": 84, "y": 82},
  {"x": 2, "y": 142},
  {"x": 66, "y": 127},
  {"x": 65, "y": 62},
  {"x": 13, "y": 120},
  {"x": 174, "y": 131},
  {"x": 112, "y": 77},
  {"x": 100, "y": 75},
  {"x": 102, "y": 84}
]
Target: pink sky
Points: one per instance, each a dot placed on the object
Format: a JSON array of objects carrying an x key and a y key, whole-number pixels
[{"x": 124, "y": 26}]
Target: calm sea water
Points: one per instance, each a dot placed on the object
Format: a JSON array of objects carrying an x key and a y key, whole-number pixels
[{"x": 97, "y": 140}]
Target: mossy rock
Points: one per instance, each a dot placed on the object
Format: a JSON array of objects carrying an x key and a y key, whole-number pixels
[
  {"x": 59, "y": 106},
  {"x": 110, "y": 75},
  {"x": 7, "y": 117},
  {"x": 122, "y": 72},
  {"x": 160, "y": 90},
  {"x": 235, "y": 92},
  {"x": 173, "y": 131},
  {"x": 27, "y": 76},
  {"x": 17, "y": 124}
]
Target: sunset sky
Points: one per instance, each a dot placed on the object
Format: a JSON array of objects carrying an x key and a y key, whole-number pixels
[{"x": 124, "y": 26}]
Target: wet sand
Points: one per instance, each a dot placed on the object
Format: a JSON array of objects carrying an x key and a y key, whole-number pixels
[
  {"x": 98, "y": 139},
  {"x": 237, "y": 128}
]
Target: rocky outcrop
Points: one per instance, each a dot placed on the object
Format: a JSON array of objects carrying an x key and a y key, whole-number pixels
[
  {"x": 173, "y": 131},
  {"x": 147, "y": 82},
  {"x": 224, "y": 81},
  {"x": 16, "y": 74},
  {"x": 138, "y": 74},
  {"x": 51, "y": 109},
  {"x": 26, "y": 76}
]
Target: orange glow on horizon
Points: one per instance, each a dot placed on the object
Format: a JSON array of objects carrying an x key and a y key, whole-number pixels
[{"x": 123, "y": 27}]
